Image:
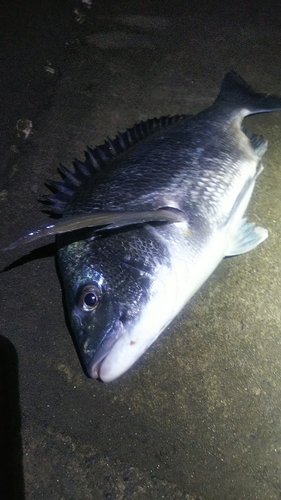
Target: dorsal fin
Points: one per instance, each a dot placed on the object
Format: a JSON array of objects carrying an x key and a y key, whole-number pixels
[{"x": 96, "y": 159}]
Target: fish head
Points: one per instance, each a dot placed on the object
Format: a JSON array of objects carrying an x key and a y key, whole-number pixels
[{"x": 108, "y": 285}]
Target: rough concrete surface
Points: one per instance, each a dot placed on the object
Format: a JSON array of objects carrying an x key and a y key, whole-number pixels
[{"x": 199, "y": 416}]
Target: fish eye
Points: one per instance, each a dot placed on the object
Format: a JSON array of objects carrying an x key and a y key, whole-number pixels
[{"x": 89, "y": 298}]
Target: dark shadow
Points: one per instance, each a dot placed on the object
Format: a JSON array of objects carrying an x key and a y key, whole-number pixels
[
  {"x": 11, "y": 467},
  {"x": 39, "y": 253}
]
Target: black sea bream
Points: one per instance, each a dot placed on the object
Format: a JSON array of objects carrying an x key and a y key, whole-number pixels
[{"x": 146, "y": 219}]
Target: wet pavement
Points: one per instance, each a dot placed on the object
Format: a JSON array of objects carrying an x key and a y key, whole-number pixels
[{"x": 199, "y": 416}]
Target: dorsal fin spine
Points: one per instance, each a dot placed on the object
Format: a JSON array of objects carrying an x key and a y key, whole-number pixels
[{"x": 94, "y": 162}]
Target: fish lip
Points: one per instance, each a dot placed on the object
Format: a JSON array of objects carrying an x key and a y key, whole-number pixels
[{"x": 94, "y": 365}]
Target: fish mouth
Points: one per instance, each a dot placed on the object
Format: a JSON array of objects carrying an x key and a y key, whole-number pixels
[{"x": 95, "y": 364}]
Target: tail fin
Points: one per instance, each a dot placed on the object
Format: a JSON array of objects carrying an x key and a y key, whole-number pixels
[{"x": 236, "y": 91}]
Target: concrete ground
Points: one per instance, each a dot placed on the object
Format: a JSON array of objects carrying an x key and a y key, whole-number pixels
[{"x": 199, "y": 416}]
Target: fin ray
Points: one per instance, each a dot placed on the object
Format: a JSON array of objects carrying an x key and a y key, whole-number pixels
[{"x": 248, "y": 237}]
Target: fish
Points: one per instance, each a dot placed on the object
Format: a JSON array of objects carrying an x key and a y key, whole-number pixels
[{"x": 147, "y": 217}]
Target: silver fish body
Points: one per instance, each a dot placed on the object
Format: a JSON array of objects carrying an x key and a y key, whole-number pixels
[
  {"x": 125, "y": 286},
  {"x": 125, "y": 280}
]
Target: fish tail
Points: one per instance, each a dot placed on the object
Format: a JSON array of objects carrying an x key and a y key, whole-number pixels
[{"x": 236, "y": 91}]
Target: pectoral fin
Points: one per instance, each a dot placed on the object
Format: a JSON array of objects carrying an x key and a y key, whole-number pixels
[
  {"x": 247, "y": 238},
  {"x": 102, "y": 221}
]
